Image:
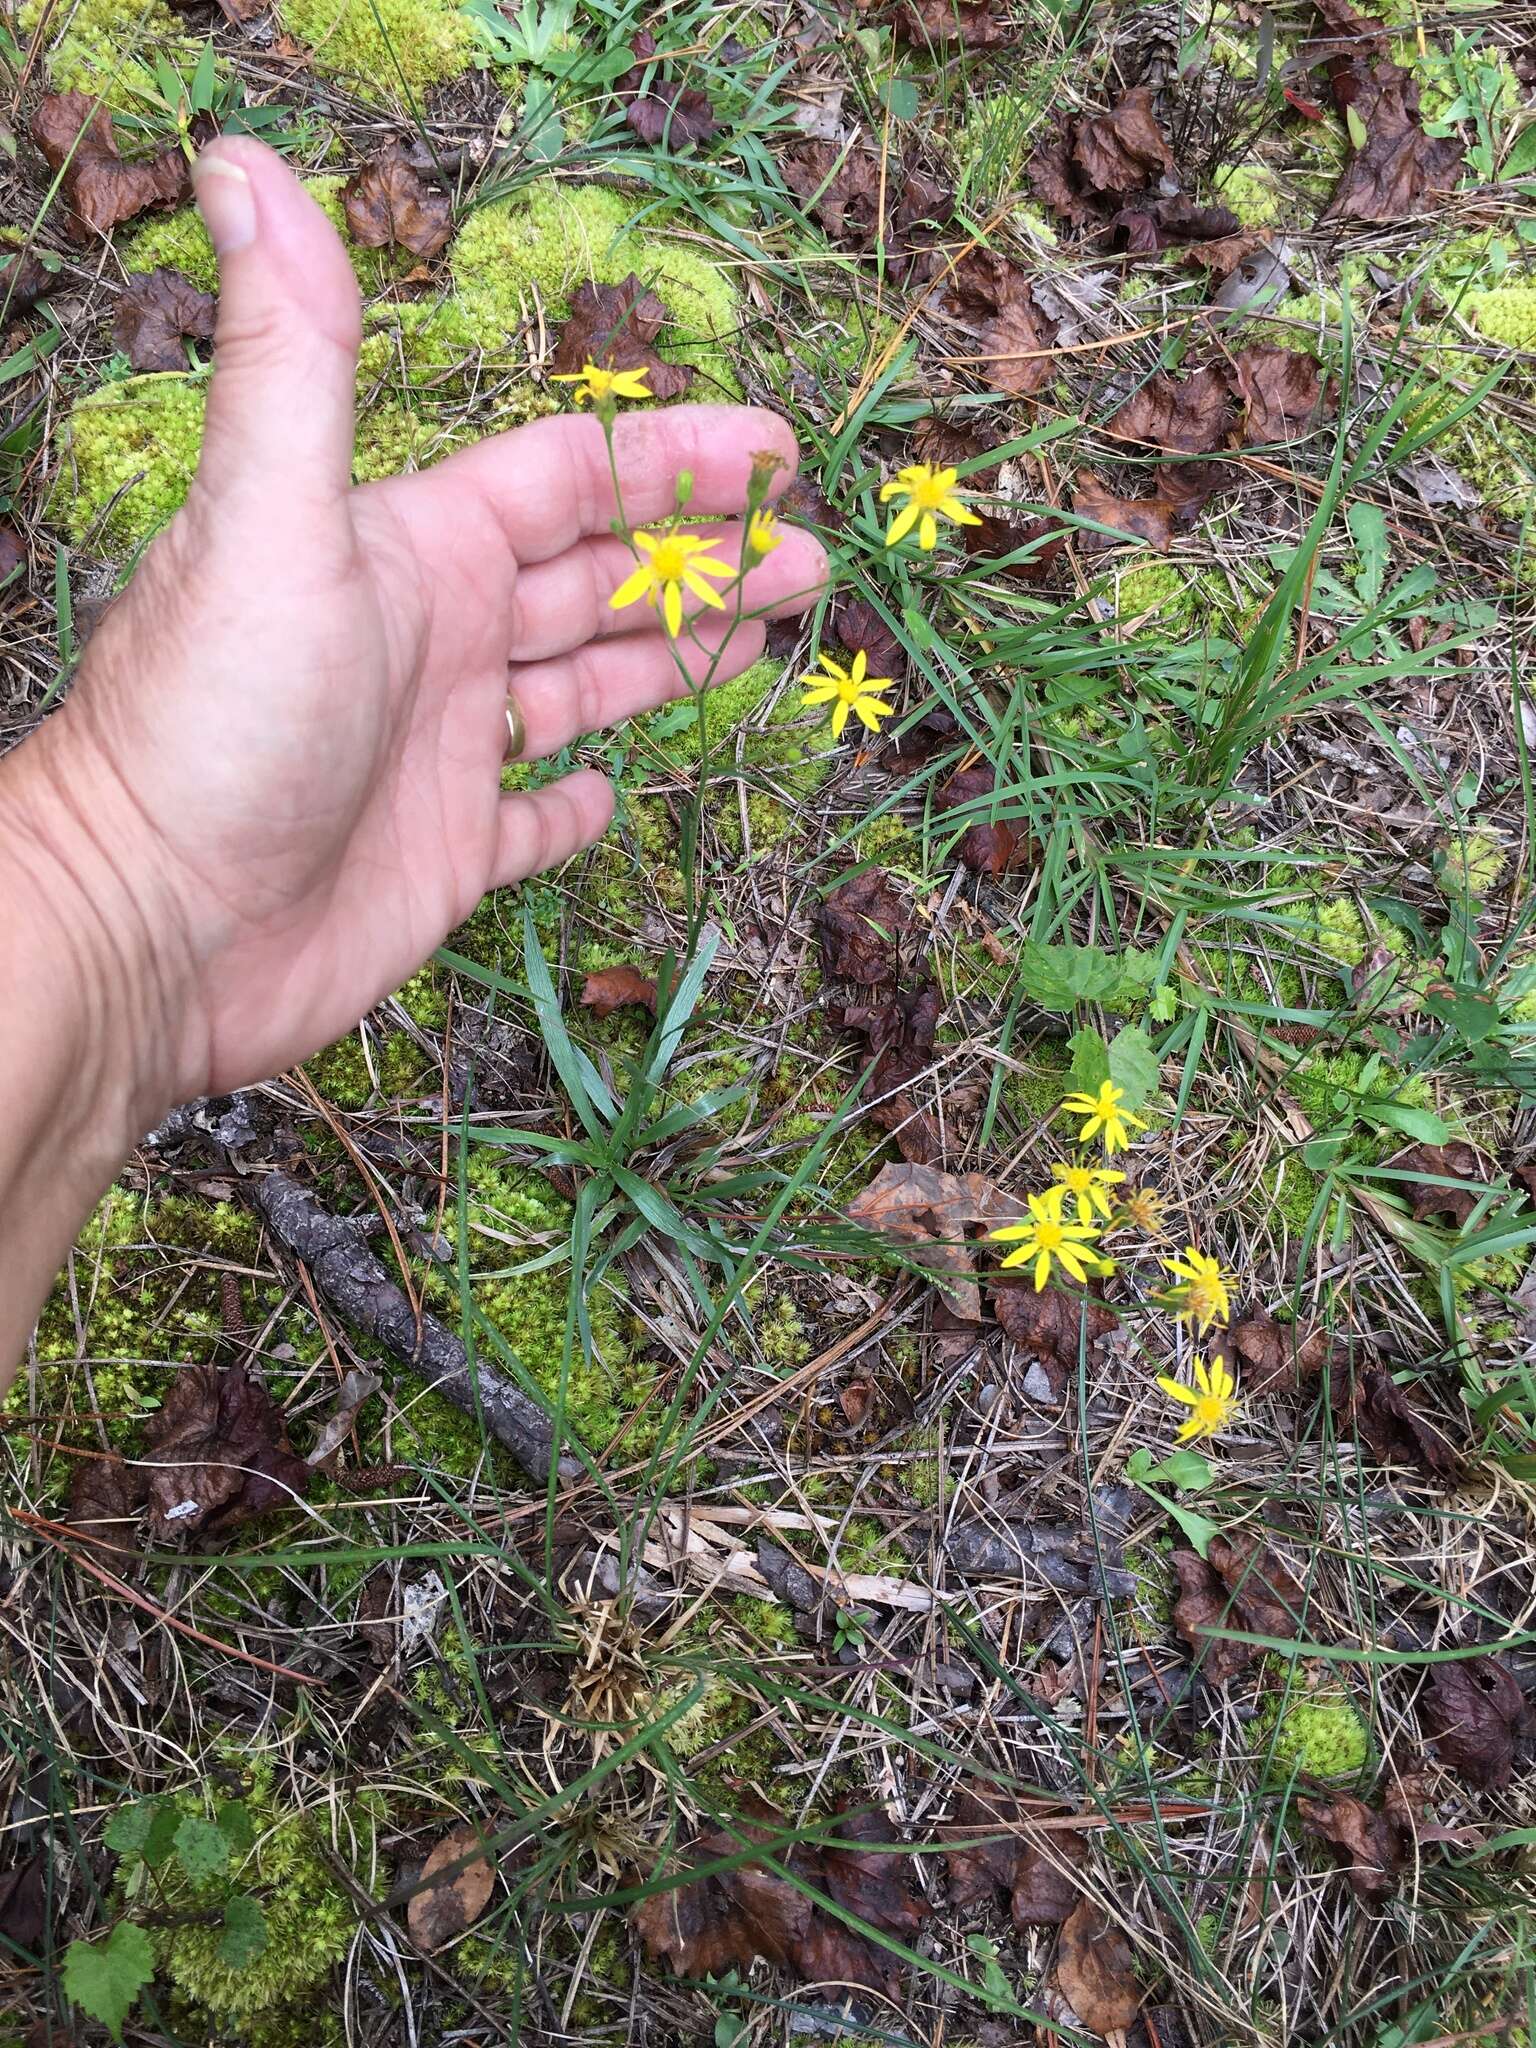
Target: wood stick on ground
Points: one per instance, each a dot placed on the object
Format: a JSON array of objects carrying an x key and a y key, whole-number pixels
[{"x": 358, "y": 1287}]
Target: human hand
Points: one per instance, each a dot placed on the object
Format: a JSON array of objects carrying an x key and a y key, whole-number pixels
[{"x": 276, "y": 779}]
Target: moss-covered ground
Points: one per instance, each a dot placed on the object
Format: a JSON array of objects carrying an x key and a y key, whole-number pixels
[{"x": 1299, "y": 845}]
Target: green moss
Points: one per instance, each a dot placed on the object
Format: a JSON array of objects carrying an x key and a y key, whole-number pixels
[
  {"x": 310, "y": 1918},
  {"x": 128, "y": 454},
  {"x": 1163, "y": 590},
  {"x": 393, "y": 50},
  {"x": 1470, "y": 864},
  {"x": 1251, "y": 192},
  {"x": 180, "y": 241},
  {"x": 781, "y": 1335},
  {"x": 515, "y": 1216},
  {"x": 344, "y": 1076},
  {"x": 97, "y": 46},
  {"x": 525, "y": 254},
  {"x": 1318, "y": 1735}
]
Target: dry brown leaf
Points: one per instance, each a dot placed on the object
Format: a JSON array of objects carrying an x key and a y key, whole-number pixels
[
  {"x": 857, "y": 625},
  {"x": 1050, "y": 1324},
  {"x": 1124, "y": 150},
  {"x": 24, "y": 279},
  {"x": 388, "y": 202},
  {"x": 1282, "y": 394},
  {"x": 730, "y": 1919},
  {"x": 1400, "y": 169},
  {"x": 1204, "y": 1603},
  {"x": 1368, "y": 1844},
  {"x": 990, "y": 847},
  {"x": 1455, "y": 1161},
  {"x": 1014, "y": 335},
  {"x": 451, "y": 1902},
  {"x": 987, "y": 1824},
  {"x": 899, "y": 1033},
  {"x": 1263, "y": 1589},
  {"x": 1383, "y": 1416},
  {"x": 75, "y": 134},
  {"x": 154, "y": 312},
  {"x": 1479, "y": 1718},
  {"x": 1045, "y": 1886},
  {"x": 973, "y": 24},
  {"x": 220, "y": 1454},
  {"x": 932, "y": 1213},
  {"x": 616, "y": 326},
  {"x": 617, "y": 988},
  {"x": 105, "y": 1495},
  {"x": 1095, "y": 1971},
  {"x": 1275, "y": 1355},
  {"x": 1149, "y": 519},
  {"x": 1164, "y": 223},
  {"x": 13, "y": 562},
  {"x": 861, "y": 926},
  {"x": 1186, "y": 415},
  {"x": 665, "y": 110}
]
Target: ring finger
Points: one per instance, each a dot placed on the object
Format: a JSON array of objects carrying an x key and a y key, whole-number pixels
[
  {"x": 561, "y": 604},
  {"x": 604, "y": 682}
]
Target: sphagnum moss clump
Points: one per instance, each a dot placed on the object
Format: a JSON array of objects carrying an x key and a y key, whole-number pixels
[{"x": 390, "y": 50}]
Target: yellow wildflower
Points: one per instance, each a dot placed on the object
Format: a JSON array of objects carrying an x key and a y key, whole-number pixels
[
  {"x": 1211, "y": 1401},
  {"x": 674, "y": 562},
  {"x": 1088, "y": 1186},
  {"x": 602, "y": 386},
  {"x": 849, "y": 689},
  {"x": 1201, "y": 1296},
  {"x": 1047, "y": 1239},
  {"x": 1103, "y": 1112},
  {"x": 763, "y": 534},
  {"x": 930, "y": 496}
]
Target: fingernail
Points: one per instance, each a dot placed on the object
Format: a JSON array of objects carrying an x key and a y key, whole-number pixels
[{"x": 227, "y": 203}]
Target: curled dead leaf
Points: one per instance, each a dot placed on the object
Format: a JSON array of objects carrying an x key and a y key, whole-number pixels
[
  {"x": 1281, "y": 392},
  {"x": 616, "y": 326},
  {"x": 155, "y": 313},
  {"x": 665, "y": 110},
  {"x": 1371, "y": 1846},
  {"x": 1051, "y": 1325},
  {"x": 1455, "y": 1161},
  {"x": 861, "y": 926},
  {"x": 932, "y": 1214},
  {"x": 455, "y": 1898},
  {"x": 1479, "y": 1718},
  {"x": 389, "y": 203},
  {"x": 1148, "y": 519},
  {"x": 1095, "y": 1970},
  {"x": 74, "y": 132},
  {"x": 220, "y": 1454},
  {"x": 1384, "y": 1417},
  {"x": 617, "y": 988}
]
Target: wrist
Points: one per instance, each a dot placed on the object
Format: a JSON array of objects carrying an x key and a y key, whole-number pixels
[{"x": 92, "y": 943}]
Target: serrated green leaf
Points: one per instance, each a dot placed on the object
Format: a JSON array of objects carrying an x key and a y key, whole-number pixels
[
  {"x": 1132, "y": 1065},
  {"x": 202, "y": 1848},
  {"x": 245, "y": 1932},
  {"x": 105, "y": 1977},
  {"x": 1059, "y": 977},
  {"x": 1164, "y": 1006},
  {"x": 128, "y": 1829},
  {"x": 1090, "y": 1062}
]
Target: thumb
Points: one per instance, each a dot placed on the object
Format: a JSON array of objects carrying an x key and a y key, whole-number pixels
[{"x": 285, "y": 348}]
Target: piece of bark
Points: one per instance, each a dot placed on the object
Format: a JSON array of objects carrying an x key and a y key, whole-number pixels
[{"x": 359, "y": 1287}]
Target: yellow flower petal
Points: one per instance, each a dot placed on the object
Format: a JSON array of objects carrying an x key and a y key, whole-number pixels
[{"x": 635, "y": 585}]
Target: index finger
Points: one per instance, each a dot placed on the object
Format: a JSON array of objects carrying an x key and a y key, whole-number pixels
[{"x": 549, "y": 484}]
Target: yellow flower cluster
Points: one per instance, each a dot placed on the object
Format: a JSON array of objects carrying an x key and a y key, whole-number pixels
[{"x": 1061, "y": 1237}]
